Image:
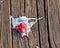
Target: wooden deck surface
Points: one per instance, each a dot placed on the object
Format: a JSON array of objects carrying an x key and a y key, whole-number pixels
[{"x": 45, "y": 33}]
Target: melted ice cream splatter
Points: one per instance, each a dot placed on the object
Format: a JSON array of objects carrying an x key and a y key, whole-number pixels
[{"x": 23, "y": 24}]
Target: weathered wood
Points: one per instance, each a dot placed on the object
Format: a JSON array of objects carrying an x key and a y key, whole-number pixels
[
  {"x": 53, "y": 22},
  {"x": 5, "y": 34},
  {"x": 30, "y": 11},
  {"x": 45, "y": 33},
  {"x": 42, "y": 12},
  {"x": 15, "y": 12},
  {"x": 0, "y": 27}
]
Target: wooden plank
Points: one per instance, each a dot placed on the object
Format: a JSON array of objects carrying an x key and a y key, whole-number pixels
[
  {"x": 18, "y": 10},
  {"x": 30, "y": 11},
  {"x": 0, "y": 26},
  {"x": 15, "y": 12},
  {"x": 5, "y": 34},
  {"x": 54, "y": 22},
  {"x": 43, "y": 32}
]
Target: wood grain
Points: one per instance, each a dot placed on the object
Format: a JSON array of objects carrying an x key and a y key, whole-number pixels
[
  {"x": 53, "y": 21},
  {"x": 31, "y": 11},
  {"x": 5, "y": 34},
  {"x": 43, "y": 32},
  {"x": 15, "y": 12}
]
